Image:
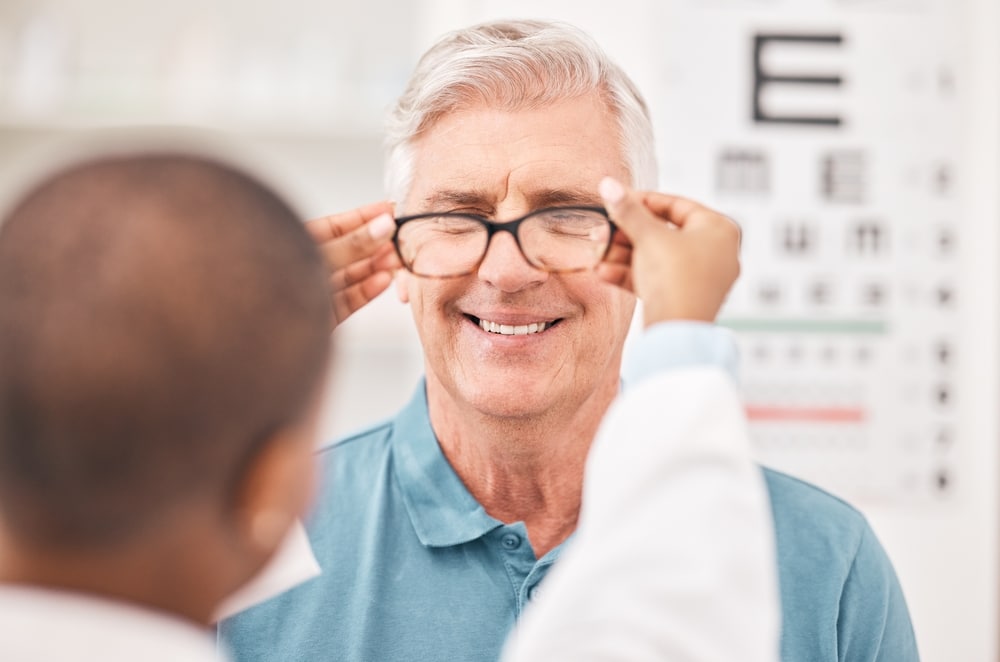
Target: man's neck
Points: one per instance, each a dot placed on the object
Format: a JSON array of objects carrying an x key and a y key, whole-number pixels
[{"x": 526, "y": 468}]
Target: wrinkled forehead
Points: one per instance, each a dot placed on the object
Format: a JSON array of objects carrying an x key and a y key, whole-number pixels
[
  {"x": 544, "y": 98},
  {"x": 547, "y": 155}
]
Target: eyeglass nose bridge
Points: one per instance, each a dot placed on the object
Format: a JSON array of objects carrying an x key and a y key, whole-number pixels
[{"x": 511, "y": 227}]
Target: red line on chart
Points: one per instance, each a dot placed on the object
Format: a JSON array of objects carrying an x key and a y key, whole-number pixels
[{"x": 807, "y": 414}]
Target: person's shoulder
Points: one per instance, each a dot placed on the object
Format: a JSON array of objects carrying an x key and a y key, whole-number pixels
[
  {"x": 811, "y": 523},
  {"x": 373, "y": 437},
  {"x": 352, "y": 470},
  {"x": 350, "y": 465},
  {"x": 794, "y": 497},
  {"x": 832, "y": 569},
  {"x": 817, "y": 532},
  {"x": 376, "y": 439}
]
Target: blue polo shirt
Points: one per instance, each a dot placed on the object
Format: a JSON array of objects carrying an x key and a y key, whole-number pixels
[{"x": 414, "y": 569}]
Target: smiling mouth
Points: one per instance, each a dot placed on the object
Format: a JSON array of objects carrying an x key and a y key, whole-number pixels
[{"x": 512, "y": 330}]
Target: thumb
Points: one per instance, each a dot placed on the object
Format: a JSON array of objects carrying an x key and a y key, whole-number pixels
[{"x": 624, "y": 207}]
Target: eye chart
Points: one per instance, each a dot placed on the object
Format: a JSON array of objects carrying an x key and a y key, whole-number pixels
[
  {"x": 857, "y": 143},
  {"x": 829, "y": 130}
]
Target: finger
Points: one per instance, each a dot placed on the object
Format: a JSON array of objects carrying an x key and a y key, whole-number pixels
[
  {"x": 350, "y": 299},
  {"x": 360, "y": 243},
  {"x": 626, "y": 208},
  {"x": 673, "y": 208},
  {"x": 684, "y": 212},
  {"x": 330, "y": 227},
  {"x": 620, "y": 239},
  {"x": 383, "y": 260},
  {"x": 387, "y": 259},
  {"x": 619, "y": 254},
  {"x": 616, "y": 274}
]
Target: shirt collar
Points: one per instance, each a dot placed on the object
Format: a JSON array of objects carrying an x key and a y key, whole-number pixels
[{"x": 442, "y": 510}]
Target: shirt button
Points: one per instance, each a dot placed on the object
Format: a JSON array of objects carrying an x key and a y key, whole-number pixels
[
  {"x": 533, "y": 592},
  {"x": 511, "y": 541}
]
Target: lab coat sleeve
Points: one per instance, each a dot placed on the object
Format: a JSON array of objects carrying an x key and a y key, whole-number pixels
[
  {"x": 674, "y": 555},
  {"x": 680, "y": 344}
]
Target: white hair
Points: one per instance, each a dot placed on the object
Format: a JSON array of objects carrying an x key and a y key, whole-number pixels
[{"x": 515, "y": 65}]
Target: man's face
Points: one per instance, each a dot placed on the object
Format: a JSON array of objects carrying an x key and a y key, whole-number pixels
[{"x": 502, "y": 165}]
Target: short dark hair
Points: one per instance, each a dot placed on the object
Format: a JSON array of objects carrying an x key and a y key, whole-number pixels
[{"x": 160, "y": 316}]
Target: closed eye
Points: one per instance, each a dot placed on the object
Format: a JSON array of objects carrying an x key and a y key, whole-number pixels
[{"x": 453, "y": 225}]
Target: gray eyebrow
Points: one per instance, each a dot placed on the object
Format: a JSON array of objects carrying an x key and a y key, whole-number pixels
[
  {"x": 548, "y": 197},
  {"x": 563, "y": 196},
  {"x": 457, "y": 198}
]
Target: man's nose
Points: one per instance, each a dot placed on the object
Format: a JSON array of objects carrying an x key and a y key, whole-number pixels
[{"x": 506, "y": 268}]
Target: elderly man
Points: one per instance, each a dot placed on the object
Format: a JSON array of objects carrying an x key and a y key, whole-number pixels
[{"x": 437, "y": 528}]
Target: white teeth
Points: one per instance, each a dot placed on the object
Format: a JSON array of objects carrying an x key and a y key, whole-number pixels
[{"x": 511, "y": 330}]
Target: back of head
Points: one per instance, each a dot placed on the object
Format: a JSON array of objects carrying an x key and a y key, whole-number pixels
[
  {"x": 160, "y": 316},
  {"x": 515, "y": 65}
]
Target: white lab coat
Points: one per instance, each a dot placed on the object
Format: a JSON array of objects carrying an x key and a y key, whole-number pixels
[{"x": 43, "y": 625}]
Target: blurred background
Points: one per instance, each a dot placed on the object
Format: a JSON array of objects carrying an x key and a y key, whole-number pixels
[{"x": 856, "y": 141}]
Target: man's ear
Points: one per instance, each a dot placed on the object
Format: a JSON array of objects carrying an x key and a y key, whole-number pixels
[{"x": 403, "y": 285}]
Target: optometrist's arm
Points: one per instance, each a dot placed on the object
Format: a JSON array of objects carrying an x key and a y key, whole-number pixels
[
  {"x": 673, "y": 558},
  {"x": 357, "y": 246}
]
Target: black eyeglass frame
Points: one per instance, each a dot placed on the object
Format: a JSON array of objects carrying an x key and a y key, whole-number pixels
[{"x": 494, "y": 227}]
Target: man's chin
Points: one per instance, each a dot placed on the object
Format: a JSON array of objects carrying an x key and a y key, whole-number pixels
[{"x": 512, "y": 400}]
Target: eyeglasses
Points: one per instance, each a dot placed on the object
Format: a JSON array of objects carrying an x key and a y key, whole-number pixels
[{"x": 554, "y": 239}]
